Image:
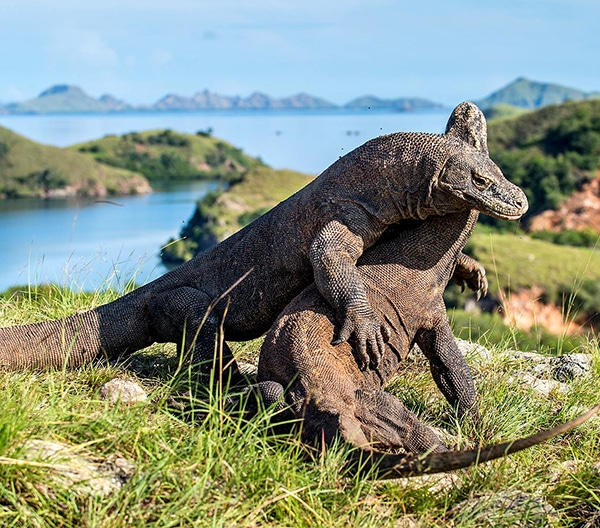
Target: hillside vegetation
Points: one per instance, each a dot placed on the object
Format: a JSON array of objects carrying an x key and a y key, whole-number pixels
[
  {"x": 163, "y": 155},
  {"x": 30, "y": 169},
  {"x": 549, "y": 153}
]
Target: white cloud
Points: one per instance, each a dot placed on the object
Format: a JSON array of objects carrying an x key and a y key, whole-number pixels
[
  {"x": 96, "y": 50},
  {"x": 12, "y": 93},
  {"x": 161, "y": 57},
  {"x": 85, "y": 47}
]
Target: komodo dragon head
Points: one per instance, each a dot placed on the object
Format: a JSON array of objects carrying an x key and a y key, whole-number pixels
[{"x": 485, "y": 188}]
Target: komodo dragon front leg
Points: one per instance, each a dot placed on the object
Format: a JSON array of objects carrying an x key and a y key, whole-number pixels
[
  {"x": 333, "y": 254},
  {"x": 449, "y": 369}
]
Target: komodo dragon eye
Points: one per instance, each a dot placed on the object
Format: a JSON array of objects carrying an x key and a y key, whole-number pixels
[{"x": 481, "y": 182}]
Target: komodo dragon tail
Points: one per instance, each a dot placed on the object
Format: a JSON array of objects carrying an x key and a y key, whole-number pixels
[
  {"x": 409, "y": 465},
  {"x": 74, "y": 341}
]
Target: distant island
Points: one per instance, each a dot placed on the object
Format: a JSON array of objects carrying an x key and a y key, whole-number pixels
[
  {"x": 519, "y": 95},
  {"x": 68, "y": 99},
  {"x": 527, "y": 94}
]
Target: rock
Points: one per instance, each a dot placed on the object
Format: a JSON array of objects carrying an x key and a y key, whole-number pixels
[
  {"x": 547, "y": 374},
  {"x": 503, "y": 509},
  {"x": 571, "y": 366},
  {"x": 436, "y": 483},
  {"x": 561, "y": 368},
  {"x": 473, "y": 351},
  {"x": 83, "y": 474},
  {"x": 541, "y": 386},
  {"x": 122, "y": 390}
]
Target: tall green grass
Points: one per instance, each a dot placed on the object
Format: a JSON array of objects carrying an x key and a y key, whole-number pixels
[{"x": 207, "y": 466}]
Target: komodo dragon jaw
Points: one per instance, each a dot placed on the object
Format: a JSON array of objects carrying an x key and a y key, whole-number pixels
[{"x": 411, "y": 465}]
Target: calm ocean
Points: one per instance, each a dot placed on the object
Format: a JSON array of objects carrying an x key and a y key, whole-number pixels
[{"x": 83, "y": 244}]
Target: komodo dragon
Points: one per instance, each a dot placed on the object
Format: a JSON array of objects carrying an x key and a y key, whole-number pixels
[
  {"x": 404, "y": 277},
  {"x": 316, "y": 234}
]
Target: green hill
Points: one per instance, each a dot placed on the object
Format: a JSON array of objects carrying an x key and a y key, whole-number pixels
[
  {"x": 30, "y": 169},
  {"x": 524, "y": 93},
  {"x": 162, "y": 155},
  {"x": 502, "y": 111},
  {"x": 549, "y": 152}
]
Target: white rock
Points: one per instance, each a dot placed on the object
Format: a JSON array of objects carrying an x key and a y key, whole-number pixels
[
  {"x": 509, "y": 508},
  {"x": 122, "y": 390},
  {"x": 541, "y": 386},
  {"x": 68, "y": 467}
]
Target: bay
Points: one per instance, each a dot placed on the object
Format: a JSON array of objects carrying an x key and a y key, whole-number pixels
[
  {"x": 306, "y": 141},
  {"x": 87, "y": 244}
]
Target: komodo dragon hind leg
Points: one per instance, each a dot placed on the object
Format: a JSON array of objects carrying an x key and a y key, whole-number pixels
[
  {"x": 388, "y": 424},
  {"x": 184, "y": 316},
  {"x": 449, "y": 369}
]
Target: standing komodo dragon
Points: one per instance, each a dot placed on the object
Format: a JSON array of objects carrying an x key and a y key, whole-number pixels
[
  {"x": 316, "y": 234},
  {"x": 404, "y": 276}
]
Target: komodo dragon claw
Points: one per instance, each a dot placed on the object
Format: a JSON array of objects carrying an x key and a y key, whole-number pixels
[
  {"x": 409, "y": 465},
  {"x": 469, "y": 272},
  {"x": 368, "y": 338}
]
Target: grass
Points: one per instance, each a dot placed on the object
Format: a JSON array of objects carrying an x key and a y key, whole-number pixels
[
  {"x": 524, "y": 262},
  {"x": 209, "y": 467}
]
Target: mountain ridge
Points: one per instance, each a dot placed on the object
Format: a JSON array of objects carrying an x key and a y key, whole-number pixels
[
  {"x": 518, "y": 95},
  {"x": 528, "y": 94},
  {"x": 64, "y": 98}
]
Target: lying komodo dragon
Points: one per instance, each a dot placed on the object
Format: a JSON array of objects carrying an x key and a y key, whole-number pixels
[
  {"x": 316, "y": 234},
  {"x": 404, "y": 277}
]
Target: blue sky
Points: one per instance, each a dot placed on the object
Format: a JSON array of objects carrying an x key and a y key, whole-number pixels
[{"x": 448, "y": 51}]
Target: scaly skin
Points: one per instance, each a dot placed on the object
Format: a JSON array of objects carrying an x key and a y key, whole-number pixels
[
  {"x": 318, "y": 233},
  {"x": 404, "y": 278},
  {"x": 322, "y": 385}
]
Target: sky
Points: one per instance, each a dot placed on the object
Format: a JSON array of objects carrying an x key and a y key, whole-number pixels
[{"x": 443, "y": 50}]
